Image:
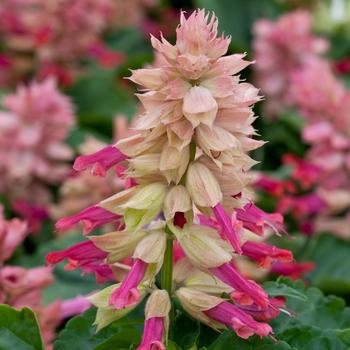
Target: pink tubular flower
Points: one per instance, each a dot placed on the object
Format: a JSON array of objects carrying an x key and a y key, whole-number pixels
[
  {"x": 12, "y": 233},
  {"x": 264, "y": 314},
  {"x": 227, "y": 227},
  {"x": 127, "y": 293},
  {"x": 79, "y": 254},
  {"x": 74, "y": 306},
  {"x": 246, "y": 292},
  {"x": 302, "y": 206},
  {"x": 294, "y": 270},
  {"x": 256, "y": 220},
  {"x": 241, "y": 322},
  {"x": 264, "y": 254},
  {"x": 152, "y": 335},
  {"x": 91, "y": 218},
  {"x": 101, "y": 161},
  {"x": 33, "y": 214}
]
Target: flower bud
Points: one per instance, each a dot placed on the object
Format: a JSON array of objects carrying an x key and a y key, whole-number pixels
[
  {"x": 119, "y": 244},
  {"x": 107, "y": 314},
  {"x": 176, "y": 200},
  {"x": 158, "y": 304},
  {"x": 203, "y": 186},
  {"x": 204, "y": 247},
  {"x": 151, "y": 250},
  {"x": 195, "y": 302},
  {"x": 139, "y": 205}
]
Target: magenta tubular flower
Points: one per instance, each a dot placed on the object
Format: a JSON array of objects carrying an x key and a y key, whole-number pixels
[
  {"x": 293, "y": 270},
  {"x": 127, "y": 293},
  {"x": 91, "y": 218},
  {"x": 264, "y": 254},
  {"x": 264, "y": 314},
  {"x": 246, "y": 292},
  {"x": 241, "y": 322},
  {"x": 81, "y": 253},
  {"x": 256, "y": 220},
  {"x": 152, "y": 335},
  {"x": 227, "y": 227},
  {"x": 33, "y": 214},
  {"x": 100, "y": 161},
  {"x": 74, "y": 306}
]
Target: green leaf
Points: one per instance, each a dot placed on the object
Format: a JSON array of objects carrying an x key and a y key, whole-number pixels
[
  {"x": 172, "y": 346},
  {"x": 122, "y": 340},
  {"x": 312, "y": 338},
  {"x": 332, "y": 258},
  {"x": 275, "y": 289},
  {"x": 9, "y": 340},
  {"x": 229, "y": 340},
  {"x": 19, "y": 329},
  {"x": 80, "y": 333},
  {"x": 186, "y": 330}
]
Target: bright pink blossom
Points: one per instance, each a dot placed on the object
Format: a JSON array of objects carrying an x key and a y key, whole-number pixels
[
  {"x": 101, "y": 161},
  {"x": 246, "y": 292},
  {"x": 293, "y": 270},
  {"x": 256, "y": 220},
  {"x": 152, "y": 334},
  {"x": 242, "y": 323},
  {"x": 127, "y": 293},
  {"x": 91, "y": 218},
  {"x": 264, "y": 254}
]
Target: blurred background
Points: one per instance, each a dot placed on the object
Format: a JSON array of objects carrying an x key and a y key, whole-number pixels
[{"x": 63, "y": 91}]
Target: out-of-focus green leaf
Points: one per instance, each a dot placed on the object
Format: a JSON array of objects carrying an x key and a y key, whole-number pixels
[
  {"x": 68, "y": 284},
  {"x": 237, "y": 17},
  {"x": 99, "y": 97},
  {"x": 19, "y": 330},
  {"x": 331, "y": 256}
]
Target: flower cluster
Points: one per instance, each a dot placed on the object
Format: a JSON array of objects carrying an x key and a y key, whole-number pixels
[
  {"x": 53, "y": 35},
  {"x": 189, "y": 200},
  {"x": 326, "y": 109},
  {"x": 33, "y": 126},
  {"x": 280, "y": 48},
  {"x": 323, "y": 176}
]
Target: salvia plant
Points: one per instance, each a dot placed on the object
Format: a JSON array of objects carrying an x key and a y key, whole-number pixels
[{"x": 182, "y": 222}]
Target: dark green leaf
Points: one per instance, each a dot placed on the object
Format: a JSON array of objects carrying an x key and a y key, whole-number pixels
[
  {"x": 275, "y": 289},
  {"x": 9, "y": 340},
  {"x": 19, "y": 327},
  {"x": 229, "y": 340},
  {"x": 186, "y": 330}
]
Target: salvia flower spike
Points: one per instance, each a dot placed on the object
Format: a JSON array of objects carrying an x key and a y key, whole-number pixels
[{"x": 189, "y": 204}]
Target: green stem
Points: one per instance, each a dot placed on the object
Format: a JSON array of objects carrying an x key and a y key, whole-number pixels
[{"x": 167, "y": 269}]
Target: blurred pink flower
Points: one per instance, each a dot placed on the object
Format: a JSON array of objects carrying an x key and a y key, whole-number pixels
[
  {"x": 281, "y": 47},
  {"x": 33, "y": 126}
]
